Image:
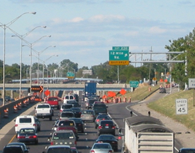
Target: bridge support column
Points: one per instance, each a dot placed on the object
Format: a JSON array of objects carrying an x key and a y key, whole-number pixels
[{"x": 12, "y": 94}]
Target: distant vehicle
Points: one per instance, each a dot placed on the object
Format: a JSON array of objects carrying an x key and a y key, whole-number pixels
[
  {"x": 65, "y": 106},
  {"x": 79, "y": 124},
  {"x": 76, "y": 97},
  {"x": 44, "y": 110},
  {"x": 89, "y": 102},
  {"x": 63, "y": 137},
  {"x": 58, "y": 149},
  {"x": 162, "y": 90},
  {"x": 54, "y": 102},
  {"x": 90, "y": 89},
  {"x": 66, "y": 115},
  {"x": 26, "y": 121},
  {"x": 25, "y": 148},
  {"x": 13, "y": 149},
  {"x": 106, "y": 127},
  {"x": 88, "y": 115},
  {"x": 76, "y": 111},
  {"x": 101, "y": 148},
  {"x": 27, "y": 135},
  {"x": 99, "y": 107},
  {"x": 68, "y": 97},
  {"x": 67, "y": 125},
  {"x": 108, "y": 138},
  {"x": 101, "y": 117},
  {"x": 187, "y": 150},
  {"x": 7, "y": 98}
]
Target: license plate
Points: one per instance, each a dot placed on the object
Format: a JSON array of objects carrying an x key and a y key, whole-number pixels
[{"x": 106, "y": 126}]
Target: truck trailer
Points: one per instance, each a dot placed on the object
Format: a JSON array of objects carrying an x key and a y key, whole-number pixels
[{"x": 145, "y": 134}]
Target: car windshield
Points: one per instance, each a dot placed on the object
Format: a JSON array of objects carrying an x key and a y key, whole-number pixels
[
  {"x": 87, "y": 112},
  {"x": 25, "y": 120},
  {"x": 67, "y": 115},
  {"x": 59, "y": 150},
  {"x": 52, "y": 99},
  {"x": 103, "y": 137},
  {"x": 187, "y": 151},
  {"x": 69, "y": 97},
  {"x": 43, "y": 106},
  {"x": 58, "y": 136},
  {"x": 103, "y": 116},
  {"x": 66, "y": 106},
  {"x": 101, "y": 146},
  {"x": 66, "y": 123}
]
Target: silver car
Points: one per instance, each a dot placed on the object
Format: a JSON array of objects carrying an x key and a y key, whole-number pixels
[
  {"x": 88, "y": 115},
  {"x": 66, "y": 115},
  {"x": 64, "y": 137},
  {"x": 101, "y": 148}
]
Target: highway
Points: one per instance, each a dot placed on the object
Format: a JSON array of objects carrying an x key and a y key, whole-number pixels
[{"x": 118, "y": 112}]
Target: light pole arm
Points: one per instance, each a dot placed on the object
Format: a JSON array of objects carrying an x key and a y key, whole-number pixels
[{"x": 11, "y": 22}]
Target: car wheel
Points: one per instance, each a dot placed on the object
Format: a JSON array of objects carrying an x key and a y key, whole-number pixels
[
  {"x": 50, "y": 118},
  {"x": 36, "y": 142}
]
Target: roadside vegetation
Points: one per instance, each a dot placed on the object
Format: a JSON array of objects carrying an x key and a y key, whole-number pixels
[{"x": 167, "y": 107}]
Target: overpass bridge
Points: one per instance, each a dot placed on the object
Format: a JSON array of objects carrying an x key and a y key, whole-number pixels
[{"x": 66, "y": 87}]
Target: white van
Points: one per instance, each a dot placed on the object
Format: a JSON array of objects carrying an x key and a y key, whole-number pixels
[
  {"x": 26, "y": 121},
  {"x": 68, "y": 97}
]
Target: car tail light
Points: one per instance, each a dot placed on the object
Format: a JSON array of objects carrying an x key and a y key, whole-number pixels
[
  {"x": 51, "y": 143},
  {"x": 16, "y": 125},
  {"x": 107, "y": 124},
  {"x": 34, "y": 125},
  {"x": 113, "y": 127},
  {"x": 99, "y": 127},
  {"x": 119, "y": 137},
  {"x": 61, "y": 110},
  {"x": 75, "y": 142},
  {"x": 20, "y": 137},
  {"x": 93, "y": 151},
  {"x": 103, "y": 119},
  {"x": 33, "y": 136},
  {"x": 97, "y": 120},
  {"x": 110, "y": 151}
]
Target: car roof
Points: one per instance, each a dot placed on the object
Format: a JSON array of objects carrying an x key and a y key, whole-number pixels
[
  {"x": 25, "y": 116},
  {"x": 63, "y": 131}
]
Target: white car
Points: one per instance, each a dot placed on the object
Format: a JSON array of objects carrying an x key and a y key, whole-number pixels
[
  {"x": 68, "y": 97},
  {"x": 26, "y": 121}
]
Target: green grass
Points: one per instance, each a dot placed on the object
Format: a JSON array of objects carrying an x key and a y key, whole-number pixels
[{"x": 166, "y": 106}]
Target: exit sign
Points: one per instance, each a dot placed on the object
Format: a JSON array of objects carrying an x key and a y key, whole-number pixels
[{"x": 119, "y": 55}]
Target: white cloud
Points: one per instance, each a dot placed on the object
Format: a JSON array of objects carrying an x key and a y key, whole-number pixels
[
  {"x": 106, "y": 18},
  {"x": 77, "y": 19},
  {"x": 156, "y": 30}
]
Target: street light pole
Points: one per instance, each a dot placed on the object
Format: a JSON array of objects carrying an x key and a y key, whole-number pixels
[
  {"x": 4, "y": 48},
  {"x": 21, "y": 40}
]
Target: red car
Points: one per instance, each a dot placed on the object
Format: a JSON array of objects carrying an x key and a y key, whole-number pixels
[{"x": 54, "y": 102}]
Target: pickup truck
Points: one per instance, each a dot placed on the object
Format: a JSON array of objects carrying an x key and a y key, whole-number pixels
[
  {"x": 44, "y": 110},
  {"x": 54, "y": 102}
]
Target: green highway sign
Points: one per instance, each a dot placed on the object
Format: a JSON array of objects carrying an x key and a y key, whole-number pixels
[
  {"x": 120, "y": 48},
  {"x": 70, "y": 75},
  {"x": 134, "y": 84},
  {"x": 119, "y": 55}
]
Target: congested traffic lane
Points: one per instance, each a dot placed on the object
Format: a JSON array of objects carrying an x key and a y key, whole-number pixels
[{"x": 84, "y": 143}]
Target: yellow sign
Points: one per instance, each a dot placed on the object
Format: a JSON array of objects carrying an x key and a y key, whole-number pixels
[{"x": 118, "y": 62}]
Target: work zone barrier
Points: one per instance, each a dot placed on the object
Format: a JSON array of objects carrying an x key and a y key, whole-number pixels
[{"x": 14, "y": 107}]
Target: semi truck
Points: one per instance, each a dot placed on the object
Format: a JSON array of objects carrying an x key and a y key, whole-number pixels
[
  {"x": 90, "y": 89},
  {"x": 145, "y": 134}
]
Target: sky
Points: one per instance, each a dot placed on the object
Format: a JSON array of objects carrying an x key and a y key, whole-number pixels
[{"x": 84, "y": 31}]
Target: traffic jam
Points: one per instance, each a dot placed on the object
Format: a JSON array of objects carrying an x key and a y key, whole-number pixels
[{"x": 68, "y": 126}]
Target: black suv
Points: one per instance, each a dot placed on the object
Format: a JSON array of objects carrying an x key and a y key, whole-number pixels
[
  {"x": 101, "y": 117},
  {"x": 13, "y": 149},
  {"x": 99, "y": 107},
  {"x": 106, "y": 127}
]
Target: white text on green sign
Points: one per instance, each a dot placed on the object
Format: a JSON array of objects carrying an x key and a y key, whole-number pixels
[
  {"x": 118, "y": 55},
  {"x": 120, "y": 48}
]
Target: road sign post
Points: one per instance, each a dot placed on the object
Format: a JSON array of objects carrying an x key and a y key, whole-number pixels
[{"x": 181, "y": 106}]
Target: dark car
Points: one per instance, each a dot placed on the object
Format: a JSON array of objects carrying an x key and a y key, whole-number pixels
[
  {"x": 58, "y": 149},
  {"x": 13, "y": 149},
  {"x": 106, "y": 127},
  {"x": 27, "y": 135},
  {"x": 76, "y": 97},
  {"x": 74, "y": 150},
  {"x": 187, "y": 150},
  {"x": 109, "y": 138},
  {"x": 25, "y": 148},
  {"x": 99, "y": 107},
  {"x": 79, "y": 124},
  {"x": 65, "y": 107},
  {"x": 89, "y": 103},
  {"x": 101, "y": 117},
  {"x": 76, "y": 111},
  {"x": 162, "y": 90}
]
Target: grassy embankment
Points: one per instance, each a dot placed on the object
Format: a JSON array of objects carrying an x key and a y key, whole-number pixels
[
  {"x": 140, "y": 93},
  {"x": 166, "y": 106}
]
